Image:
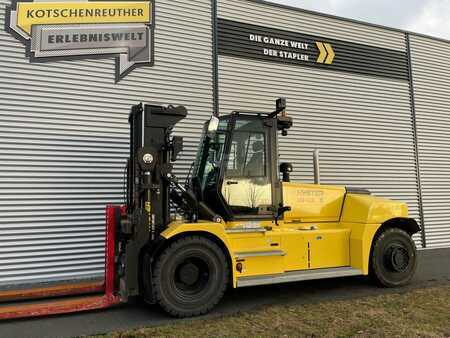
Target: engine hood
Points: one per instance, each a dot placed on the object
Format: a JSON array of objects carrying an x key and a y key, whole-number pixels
[{"x": 360, "y": 208}]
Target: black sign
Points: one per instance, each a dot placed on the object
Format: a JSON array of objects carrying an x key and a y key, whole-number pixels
[{"x": 275, "y": 45}]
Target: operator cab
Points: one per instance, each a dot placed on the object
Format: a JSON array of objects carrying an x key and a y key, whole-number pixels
[{"x": 236, "y": 172}]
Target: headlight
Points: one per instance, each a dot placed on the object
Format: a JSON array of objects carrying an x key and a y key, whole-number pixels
[{"x": 147, "y": 158}]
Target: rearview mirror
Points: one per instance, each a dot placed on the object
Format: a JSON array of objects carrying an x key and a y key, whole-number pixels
[{"x": 213, "y": 125}]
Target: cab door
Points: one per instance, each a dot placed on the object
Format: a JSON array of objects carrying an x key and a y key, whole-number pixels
[
  {"x": 247, "y": 190},
  {"x": 247, "y": 176}
]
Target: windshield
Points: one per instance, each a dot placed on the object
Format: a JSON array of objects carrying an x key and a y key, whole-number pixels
[{"x": 209, "y": 155}]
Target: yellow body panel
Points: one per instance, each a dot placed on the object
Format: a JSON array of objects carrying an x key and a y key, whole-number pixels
[
  {"x": 265, "y": 265},
  {"x": 247, "y": 243},
  {"x": 311, "y": 202},
  {"x": 294, "y": 245},
  {"x": 361, "y": 236},
  {"x": 328, "y": 248},
  {"x": 370, "y": 209},
  {"x": 326, "y": 228}
]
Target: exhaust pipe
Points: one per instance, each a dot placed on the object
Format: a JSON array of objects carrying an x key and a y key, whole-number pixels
[{"x": 316, "y": 159}]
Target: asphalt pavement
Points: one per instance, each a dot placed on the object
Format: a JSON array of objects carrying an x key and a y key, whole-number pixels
[{"x": 433, "y": 269}]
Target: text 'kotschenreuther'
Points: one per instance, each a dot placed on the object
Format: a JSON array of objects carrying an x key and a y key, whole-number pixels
[{"x": 84, "y": 13}]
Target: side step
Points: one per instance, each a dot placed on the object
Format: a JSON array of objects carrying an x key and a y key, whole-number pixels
[
  {"x": 296, "y": 276},
  {"x": 56, "y": 306}
]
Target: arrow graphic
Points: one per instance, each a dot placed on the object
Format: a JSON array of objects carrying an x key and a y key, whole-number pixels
[{"x": 326, "y": 53}]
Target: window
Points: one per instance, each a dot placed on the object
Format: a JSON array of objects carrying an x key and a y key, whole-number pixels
[
  {"x": 255, "y": 163},
  {"x": 213, "y": 161},
  {"x": 209, "y": 155},
  {"x": 232, "y": 159}
]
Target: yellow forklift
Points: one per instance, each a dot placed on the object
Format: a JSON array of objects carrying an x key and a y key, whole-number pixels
[{"x": 238, "y": 221}]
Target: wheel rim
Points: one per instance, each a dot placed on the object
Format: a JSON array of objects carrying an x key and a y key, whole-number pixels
[
  {"x": 397, "y": 257},
  {"x": 191, "y": 275}
]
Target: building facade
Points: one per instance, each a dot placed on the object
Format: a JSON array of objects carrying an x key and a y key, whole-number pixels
[{"x": 375, "y": 101}]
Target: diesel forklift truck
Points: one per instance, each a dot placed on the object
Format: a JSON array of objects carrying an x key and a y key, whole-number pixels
[{"x": 236, "y": 221}]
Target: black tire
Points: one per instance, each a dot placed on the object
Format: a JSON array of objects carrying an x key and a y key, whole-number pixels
[
  {"x": 393, "y": 261},
  {"x": 190, "y": 276}
]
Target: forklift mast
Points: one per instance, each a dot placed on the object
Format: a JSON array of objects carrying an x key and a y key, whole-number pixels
[
  {"x": 151, "y": 153},
  {"x": 152, "y": 149}
]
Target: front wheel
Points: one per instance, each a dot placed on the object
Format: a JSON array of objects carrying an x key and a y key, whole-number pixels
[
  {"x": 190, "y": 276},
  {"x": 393, "y": 261}
]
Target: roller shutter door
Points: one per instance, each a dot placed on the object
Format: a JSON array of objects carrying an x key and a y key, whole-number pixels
[
  {"x": 431, "y": 74},
  {"x": 64, "y": 141},
  {"x": 361, "y": 124}
]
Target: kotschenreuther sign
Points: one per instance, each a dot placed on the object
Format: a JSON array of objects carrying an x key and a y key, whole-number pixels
[{"x": 83, "y": 29}]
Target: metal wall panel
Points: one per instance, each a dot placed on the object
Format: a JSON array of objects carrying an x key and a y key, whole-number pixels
[
  {"x": 431, "y": 74},
  {"x": 257, "y": 13},
  {"x": 361, "y": 124},
  {"x": 64, "y": 141}
]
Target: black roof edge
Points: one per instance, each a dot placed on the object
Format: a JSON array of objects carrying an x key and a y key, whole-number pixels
[
  {"x": 359, "y": 191},
  {"x": 331, "y": 16}
]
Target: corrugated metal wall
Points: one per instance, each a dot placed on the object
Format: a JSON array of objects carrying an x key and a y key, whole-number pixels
[
  {"x": 431, "y": 78},
  {"x": 64, "y": 141},
  {"x": 254, "y": 12},
  {"x": 361, "y": 124}
]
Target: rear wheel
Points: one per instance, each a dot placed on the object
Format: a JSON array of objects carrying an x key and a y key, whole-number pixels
[
  {"x": 394, "y": 258},
  {"x": 190, "y": 276}
]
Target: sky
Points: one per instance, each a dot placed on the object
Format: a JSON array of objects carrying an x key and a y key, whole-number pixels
[{"x": 430, "y": 17}]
